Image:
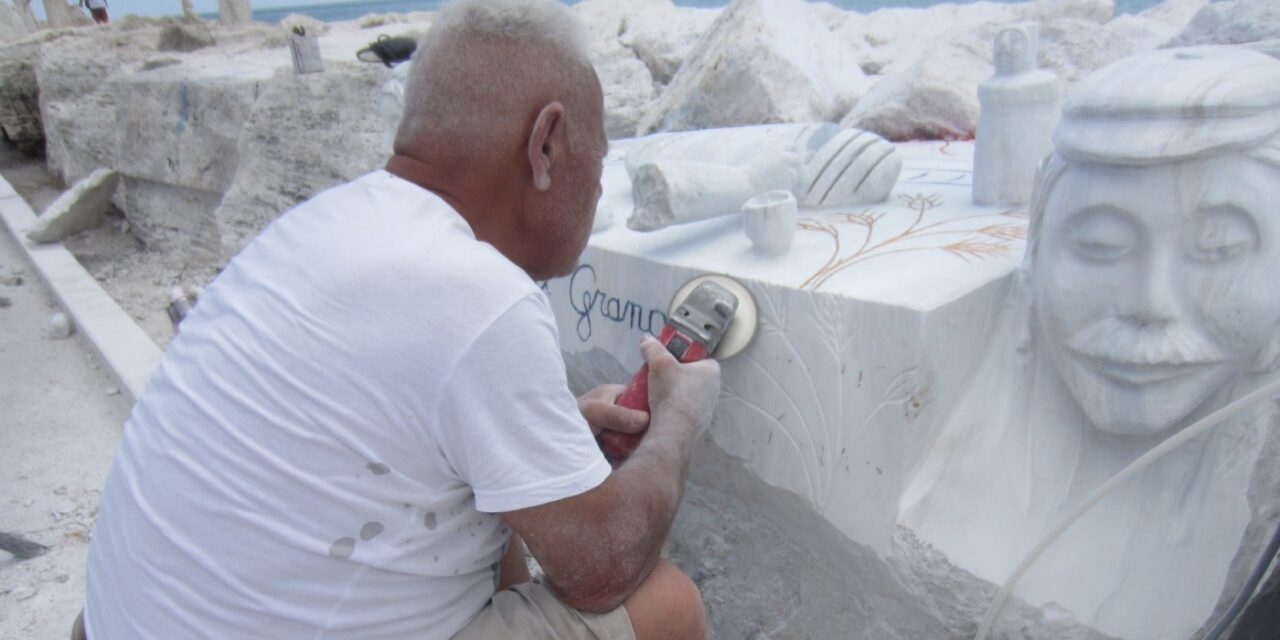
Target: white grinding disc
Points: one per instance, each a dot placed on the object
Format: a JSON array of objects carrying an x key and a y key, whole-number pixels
[{"x": 743, "y": 327}]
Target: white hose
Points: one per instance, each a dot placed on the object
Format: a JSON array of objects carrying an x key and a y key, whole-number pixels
[{"x": 1159, "y": 451}]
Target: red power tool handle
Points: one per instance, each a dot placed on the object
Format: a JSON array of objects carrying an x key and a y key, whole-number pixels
[{"x": 618, "y": 446}]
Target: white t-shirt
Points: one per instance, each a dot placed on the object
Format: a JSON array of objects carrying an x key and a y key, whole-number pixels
[
  {"x": 97, "y": 4},
  {"x": 323, "y": 447}
]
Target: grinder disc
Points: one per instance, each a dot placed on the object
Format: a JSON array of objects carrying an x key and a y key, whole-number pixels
[{"x": 743, "y": 327}]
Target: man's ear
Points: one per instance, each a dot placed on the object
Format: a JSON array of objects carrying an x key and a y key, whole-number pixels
[{"x": 546, "y": 144}]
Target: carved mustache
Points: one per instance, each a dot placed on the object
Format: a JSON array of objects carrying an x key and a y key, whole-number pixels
[{"x": 1122, "y": 341}]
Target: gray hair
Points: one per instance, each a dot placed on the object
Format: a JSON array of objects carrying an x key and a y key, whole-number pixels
[
  {"x": 451, "y": 90},
  {"x": 541, "y": 20}
]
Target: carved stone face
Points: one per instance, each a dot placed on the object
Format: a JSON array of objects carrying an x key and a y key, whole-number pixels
[
  {"x": 1156, "y": 285},
  {"x": 1014, "y": 52}
]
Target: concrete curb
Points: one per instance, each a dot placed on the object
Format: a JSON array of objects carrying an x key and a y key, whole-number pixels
[{"x": 126, "y": 349}]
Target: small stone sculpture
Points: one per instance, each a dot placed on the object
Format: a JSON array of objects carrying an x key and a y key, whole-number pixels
[
  {"x": 681, "y": 191},
  {"x": 769, "y": 220},
  {"x": 1020, "y": 106},
  {"x": 683, "y": 177},
  {"x": 854, "y": 167}
]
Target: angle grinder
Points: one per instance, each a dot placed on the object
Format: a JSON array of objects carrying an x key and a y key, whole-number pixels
[{"x": 710, "y": 317}]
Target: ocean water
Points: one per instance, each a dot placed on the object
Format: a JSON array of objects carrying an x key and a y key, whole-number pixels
[{"x": 350, "y": 10}]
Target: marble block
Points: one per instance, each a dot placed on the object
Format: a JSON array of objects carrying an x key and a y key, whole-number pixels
[
  {"x": 941, "y": 410},
  {"x": 760, "y": 61},
  {"x": 868, "y": 324}
]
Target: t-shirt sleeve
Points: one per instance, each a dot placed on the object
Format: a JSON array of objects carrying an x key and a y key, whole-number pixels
[{"x": 509, "y": 425}]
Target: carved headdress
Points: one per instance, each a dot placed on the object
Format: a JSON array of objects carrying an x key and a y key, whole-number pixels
[
  {"x": 1166, "y": 106},
  {"x": 1170, "y": 105}
]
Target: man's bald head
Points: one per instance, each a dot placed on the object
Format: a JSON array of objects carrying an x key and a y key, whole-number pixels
[{"x": 487, "y": 67}]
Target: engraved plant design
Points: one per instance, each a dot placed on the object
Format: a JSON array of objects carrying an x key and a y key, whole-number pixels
[{"x": 970, "y": 244}]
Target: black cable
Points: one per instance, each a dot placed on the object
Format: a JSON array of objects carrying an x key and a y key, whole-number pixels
[{"x": 1246, "y": 594}]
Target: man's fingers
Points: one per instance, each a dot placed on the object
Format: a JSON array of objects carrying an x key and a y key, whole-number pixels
[
  {"x": 611, "y": 417},
  {"x": 605, "y": 393},
  {"x": 655, "y": 354}
]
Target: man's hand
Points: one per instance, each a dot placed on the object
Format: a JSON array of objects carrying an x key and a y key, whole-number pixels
[
  {"x": 683, "y": 394},
  {"x": 602, "y": 414},
  {"x": 595, "y": 548}
]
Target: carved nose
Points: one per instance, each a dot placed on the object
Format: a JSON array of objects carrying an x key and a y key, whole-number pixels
[{"x": 1154, "y": 297}]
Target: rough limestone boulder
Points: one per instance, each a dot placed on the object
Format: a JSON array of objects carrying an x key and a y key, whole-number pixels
[
  {"x": 1235, "y": 22},
  {"x": 310, "y": 25},
  {"x": 1175, "y": 13},
  {"x": 889, "y": 40},
  {"x": 299, "y": 141},
  {"x": 762, "y": 61},
  {"x": 20, "y": 98},
  {"x": 78, "y": 104},
  {"x": 184, "y": 37},
  {"x": 627, "y": 82},
  {"x": 1073, "y": 49},
  {"x": 934, "y": 97},
  {"x": 11, "y": 24},
  {"x": 83, "y": 206},
  {"x": 176, "y": 145},
  {"x": 664, "y": 36}
]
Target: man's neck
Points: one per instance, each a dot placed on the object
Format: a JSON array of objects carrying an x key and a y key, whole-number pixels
[{"x": 479, "y": 198}]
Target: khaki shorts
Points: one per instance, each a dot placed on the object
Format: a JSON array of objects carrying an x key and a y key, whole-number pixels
[{"x": 531, "y": 612}]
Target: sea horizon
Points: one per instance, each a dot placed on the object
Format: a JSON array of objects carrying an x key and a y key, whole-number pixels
[{"x": 339, "y": 10}]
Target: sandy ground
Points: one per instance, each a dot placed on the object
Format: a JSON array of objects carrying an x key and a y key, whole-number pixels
[
  {"x": 137, "y": 278},
  {"x": 58, "y": 431}
]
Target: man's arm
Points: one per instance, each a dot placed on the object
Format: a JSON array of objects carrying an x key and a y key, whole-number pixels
[{"x": 597, "y": 547}]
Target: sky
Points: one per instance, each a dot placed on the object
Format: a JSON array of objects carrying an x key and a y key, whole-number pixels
[{"x": 173, "y": 7}]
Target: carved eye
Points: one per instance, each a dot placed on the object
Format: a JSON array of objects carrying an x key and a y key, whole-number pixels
[
  {"x": 1101, "y": 234},
  {"x": 1222, "y": 234}
]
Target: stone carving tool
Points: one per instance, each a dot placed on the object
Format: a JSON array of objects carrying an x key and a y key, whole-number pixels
[{"x": 710, "y": 317}]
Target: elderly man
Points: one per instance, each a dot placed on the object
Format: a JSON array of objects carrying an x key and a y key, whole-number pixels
[{"x": 368, "y": 413}]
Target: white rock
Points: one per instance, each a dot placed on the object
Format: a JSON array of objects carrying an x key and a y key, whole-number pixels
[
  {"x": 311, "y": 26},
  {"x": 284, "y": 157},
  {"x": 1072, "y": 48},
  {"x": 761, "y": 61},
  {"x": 186, "y": 36},
  {"x": 1234, "y": 22},
  {"x": 81, "y": 207},
  {"x": 628, "y": 84},
  {"x": 933, "y": 97},
  {"x": 20, "y": 97},
  {"x": 60, "y": 326},
  {"x": 663, "y": 39},
  {"x": 769, "y": 220},
  {"x": 1175, "y": 13},
  {"x": 11, "y": 25},
  {"x": 889, "y": 39}
]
